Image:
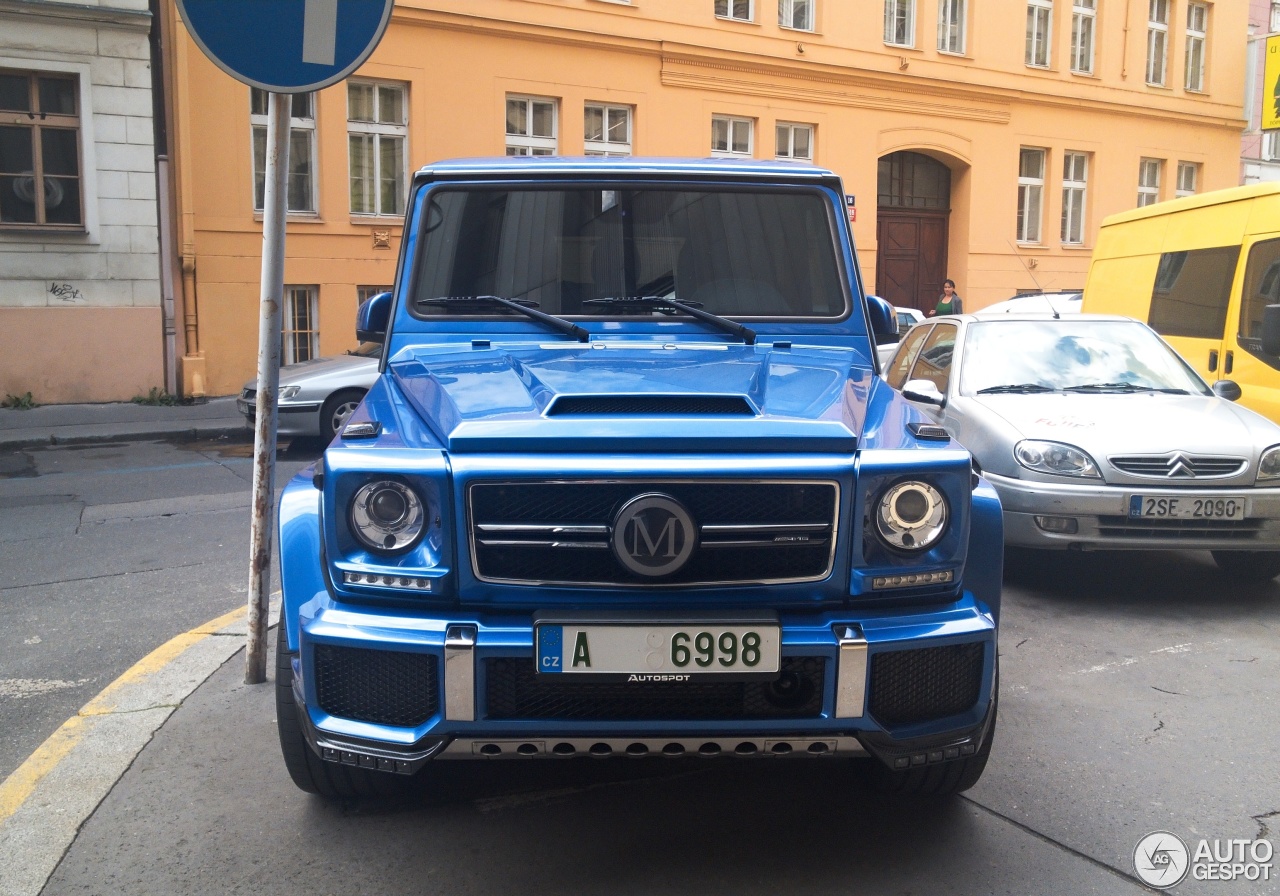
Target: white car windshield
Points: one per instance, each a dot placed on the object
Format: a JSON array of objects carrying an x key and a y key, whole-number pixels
[{"x": 1073, "y": 356}]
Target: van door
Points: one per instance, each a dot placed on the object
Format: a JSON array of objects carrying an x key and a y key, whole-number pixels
[
  {"x": 1189, "y": 302},
  {"x": 1243, "y": 359}
]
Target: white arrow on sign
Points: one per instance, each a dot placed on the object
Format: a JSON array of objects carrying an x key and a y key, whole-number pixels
[{"x": 319, "y": 31}]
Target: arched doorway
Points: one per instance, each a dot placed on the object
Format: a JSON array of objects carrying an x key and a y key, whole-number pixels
[{"x": 912, "y": 207}]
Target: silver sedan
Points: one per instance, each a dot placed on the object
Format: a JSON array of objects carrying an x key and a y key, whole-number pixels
[
  {"x": 1097, "y": 435},
  {"x": 317, "y": 396}
]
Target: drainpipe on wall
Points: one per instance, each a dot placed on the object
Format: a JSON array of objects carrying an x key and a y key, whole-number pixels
[{"x": 168, "y": 252}]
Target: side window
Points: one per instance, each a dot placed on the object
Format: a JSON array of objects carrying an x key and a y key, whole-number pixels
[
  {"x": 1191, "y": 292},
  {"x": 934, "y": 363},
  {"x": 1261, "y": 288},
  {"x": 906, "y": 356}
]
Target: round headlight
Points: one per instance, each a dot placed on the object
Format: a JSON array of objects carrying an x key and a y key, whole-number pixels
[
  {"x": 387, "y": 516},
  {"x": 912, "y": 516},
  {"x": 1269, "y": 465},
  {"x": 1055, "y": 457}
]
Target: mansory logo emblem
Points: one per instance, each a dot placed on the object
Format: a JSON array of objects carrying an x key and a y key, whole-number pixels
[{"x": 653, "y": 535}]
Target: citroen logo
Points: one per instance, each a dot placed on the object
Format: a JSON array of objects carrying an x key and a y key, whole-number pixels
[
  {"x": 653, "y": 535},
  {"x": 1180, "y": 467}
]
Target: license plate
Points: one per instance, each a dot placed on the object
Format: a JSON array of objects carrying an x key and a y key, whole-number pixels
[
  {"x": 659, "y": 652},
  {"x": 1150, "y": 507}
]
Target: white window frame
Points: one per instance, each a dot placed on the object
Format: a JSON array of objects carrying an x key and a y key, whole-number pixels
[
  {"x": 785, "y": 141},
  {"x": 953, "y": 31},
  {"x": 605, "y": 146},
  {"x": 1271, "y": 146},
  {"x": 1150, "y": 173},
  {"x": 299, "y": 127},
  {"x": 787, "y": 10},
  {"x": 379, "y": 131},
  {"x": 1274, "y": 25},
  {"x": 1188, "y": 183},
  {"x": 1157, "y": 42},
  {"x": 1075, "y": 187},
  {"x": 1039, "y": 49},
  {"x": 291, "y": 333},
  {"x": 733, "y": 123},
  {"x": 1197, "y": 43},
  {"x": 731, "y": 8},
  {"x": 530, "y": 144},
  {"x": 1031, "y": 196},
  {"x": 900, "y": 23},
  {"x": 1084, "y": 30}
]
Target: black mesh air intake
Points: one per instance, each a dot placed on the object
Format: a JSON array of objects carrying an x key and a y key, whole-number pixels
[
  {"x": 513, "y": 690},
  {"x": 380, "y": 686},
  {"x": 929, "y": 683}
]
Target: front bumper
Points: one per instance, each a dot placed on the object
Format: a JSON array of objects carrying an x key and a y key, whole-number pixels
[
  {"x": 1100, "y": 517},
  {"x": 291, "y": 420},
  {"x": 386, "y": 690}
]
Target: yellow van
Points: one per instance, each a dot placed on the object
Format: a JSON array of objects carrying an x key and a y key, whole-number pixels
[{"x": 1201, "y": 271}]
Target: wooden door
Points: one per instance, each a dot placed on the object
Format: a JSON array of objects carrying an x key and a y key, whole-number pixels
[{"x": 911, "y": 256}]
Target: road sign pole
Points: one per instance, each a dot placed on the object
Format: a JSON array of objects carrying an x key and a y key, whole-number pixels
[{"x": 275, "y": 205}]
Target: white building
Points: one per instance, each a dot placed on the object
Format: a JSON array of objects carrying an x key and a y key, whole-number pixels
[{"x": 81, "y": 316}]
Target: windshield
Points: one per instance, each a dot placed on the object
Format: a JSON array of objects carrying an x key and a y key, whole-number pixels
[
  {"x": 1077, "y": 355},
  {"x": 728, "y": 252}
]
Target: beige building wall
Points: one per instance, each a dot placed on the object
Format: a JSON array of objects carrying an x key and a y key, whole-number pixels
[{"x": 676, "y": 64}]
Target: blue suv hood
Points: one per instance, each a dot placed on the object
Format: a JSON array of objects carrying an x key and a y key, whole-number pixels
[{"x": 629, "y": 397}]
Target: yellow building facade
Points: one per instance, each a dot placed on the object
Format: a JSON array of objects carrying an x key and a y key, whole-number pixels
[{"x": 979, "y": 141}]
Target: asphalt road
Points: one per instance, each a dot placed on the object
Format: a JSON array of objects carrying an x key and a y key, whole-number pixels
[{"x": 1138, "y": 694}]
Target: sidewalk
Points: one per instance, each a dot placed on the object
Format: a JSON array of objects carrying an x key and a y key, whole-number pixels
[{"x": 63, "y": 424}]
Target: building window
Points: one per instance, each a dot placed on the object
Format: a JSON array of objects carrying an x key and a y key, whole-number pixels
[
  {"x": 301, "y": 332},
  {"x": 1083, "y": 20},
  {"x": 795, "y": 142},
  {"x": 377, "y": 128},
  {"x": 951, "y": 22},
  {"x": 1157, "y": 41},
  {"x": 738, "y": 10},
  {"x": 1075, "y": 178},
  {"x": 1188, "y": 179},
  {"x": 531, "y": 126},
  {"x": 365, "y": 293},
  {"x": 40, "y": 145},
  {"x": 302, "y": 150},
  {"x": 607, "y": 130},
  {"x": 1030, "y": 193},
  {"x": 1275, "y": 16},
  {"x": 797, "y": 14},
  {"x": 1149, "y": 182},
  {"x": 900, "y": 23},
  {"x": 731, "y": 136},
  {"x": 1039, "y": 32},
  {"x": 1271, "y": 146},
  {"x": 1197, "y": 31}
]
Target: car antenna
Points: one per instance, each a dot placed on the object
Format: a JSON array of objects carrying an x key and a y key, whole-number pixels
[{"x": 1027, "y": 268}]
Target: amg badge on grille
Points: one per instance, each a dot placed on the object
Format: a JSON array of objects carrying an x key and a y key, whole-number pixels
[{"x": 653, "y": 535}]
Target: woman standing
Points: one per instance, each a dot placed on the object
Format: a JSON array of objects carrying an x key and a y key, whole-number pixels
[{"x": 948, "y": 302}]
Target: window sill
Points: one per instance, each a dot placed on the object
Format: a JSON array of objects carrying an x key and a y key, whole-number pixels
[
  {"x": 294, "y": 217},
  {"x": 737, "y": 21},
  {"x": 954, "y": 55},
  {"x": 1077, "y": 247},
  {"x": 1038, "y": 68},
  {"x": 794, "y": 30},
  {"x": 378, "y": 220},
  {"x": 900, "y": 46}
]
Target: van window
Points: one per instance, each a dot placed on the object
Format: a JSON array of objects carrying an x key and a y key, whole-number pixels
[{"x": 1191, "y": 292}]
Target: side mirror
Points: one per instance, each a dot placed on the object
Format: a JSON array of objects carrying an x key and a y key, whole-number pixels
[
  {"x": 884, "y": 320},
  {"x": 1271, "y": 330},
  {"x": 924, "y": 392},
  {"x": 1228, "y": 389},
  {"x": 372, "y": 318}
]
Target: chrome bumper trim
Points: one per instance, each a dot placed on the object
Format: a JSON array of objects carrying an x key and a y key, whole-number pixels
[
  {"x": 460, "y": 673},
  {"x": 851, "y": 673},
  {"x": 774, "y": 746}
]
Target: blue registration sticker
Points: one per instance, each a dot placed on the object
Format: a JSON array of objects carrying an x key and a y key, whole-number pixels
[{"x": 550, "y": 648}]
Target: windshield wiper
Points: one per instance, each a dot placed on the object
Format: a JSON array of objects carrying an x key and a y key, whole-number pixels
[
  {"x": 523, "y": 306},
  {"x": 1118, "y": 387},
  {"x": 746, "y": 334},
  {"x": 1016, "y": 388}
]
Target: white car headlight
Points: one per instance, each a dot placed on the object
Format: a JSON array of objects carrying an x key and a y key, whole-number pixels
[
  {"x": 912, "y": 516},
  {"x": 1055, "y": 457},
  {"x": 1269, "y": 465},
  {"x": 387, "y": 516},
  {"x": 289, "y": 392}
]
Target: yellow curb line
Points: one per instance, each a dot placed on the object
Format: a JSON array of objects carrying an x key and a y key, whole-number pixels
[{"x": 16, "y": 788}]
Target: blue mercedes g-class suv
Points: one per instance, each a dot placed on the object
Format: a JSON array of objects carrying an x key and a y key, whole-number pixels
[{"x": 630, "y": 484}]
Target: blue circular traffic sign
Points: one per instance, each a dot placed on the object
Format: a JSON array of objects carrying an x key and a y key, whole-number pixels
[{"x": 287, "y": 46}]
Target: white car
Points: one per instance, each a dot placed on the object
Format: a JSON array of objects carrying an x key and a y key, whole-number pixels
[
  {"x": 1062, "y": 302},
  {"x": 317, "y": 396}
]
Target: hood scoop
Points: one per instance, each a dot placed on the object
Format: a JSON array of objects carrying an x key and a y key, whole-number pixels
[{"x": 651, "y": 405}]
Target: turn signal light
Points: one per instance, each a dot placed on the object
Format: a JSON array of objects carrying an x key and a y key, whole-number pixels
[
  {"x": 912, "y": 580},
  {"x": 412, "y": 583}
]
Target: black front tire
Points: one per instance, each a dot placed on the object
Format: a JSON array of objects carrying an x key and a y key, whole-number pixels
[
  {"x": 337, "y": 409},
  {"x": 311, "y": 773},
  {"x": 1248, "y": 566}
]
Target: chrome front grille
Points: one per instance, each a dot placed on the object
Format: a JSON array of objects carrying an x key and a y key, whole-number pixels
[
  {"x": 1177, "y": 465},
  {"x": 563, "y": 532}
]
